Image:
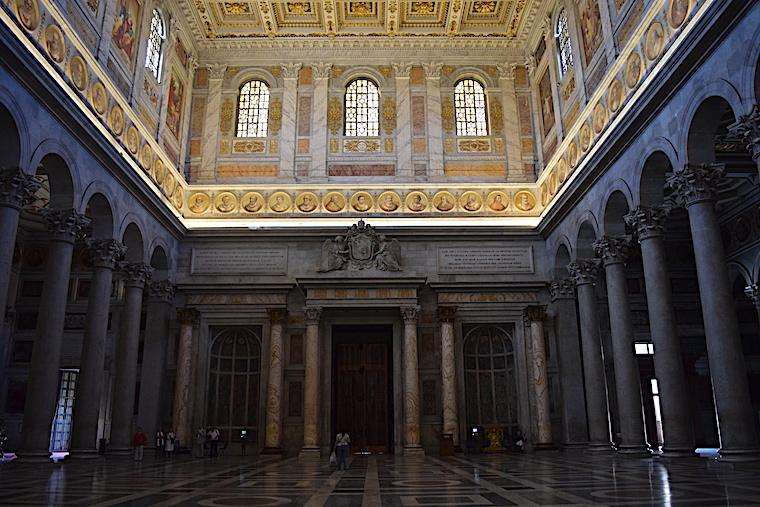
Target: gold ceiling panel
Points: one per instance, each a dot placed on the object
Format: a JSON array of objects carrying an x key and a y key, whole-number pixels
[
  {"x": 298, "y": 16},
  {"x": 424, "y": 15}
]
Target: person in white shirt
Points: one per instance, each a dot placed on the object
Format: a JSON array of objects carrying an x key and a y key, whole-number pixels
[
  {"x": 213, "y": 437},
  {"x": 342, "y": 448}
]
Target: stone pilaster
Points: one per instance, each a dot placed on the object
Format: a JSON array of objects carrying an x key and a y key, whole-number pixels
[
  {"x": 513, "y": 147},
  {"x": 534, "y": 317},
  {"x": 411, "y": 382},
  {"x": 584, "y": 273},
  {"x": 434, "y": 119},
  {"x": 106, "y": 253},
  {"x": 288, "y": 130},
  {"x": 188, "y": 318},
  {"x": 273, "y": 428},
  {"x": 311, "y": 382},
  {"x": 446, "y": 316},
  {"x": 137, "y": 275},
  {"x": 678, "y": 434},
  {"x": 747, "y": 128},
  {"x": 64, "y": 226},
  {"x": 321, "y": 77},
  {"x": 614, "y": 252},
  {"x": 210, "y": 143},
  {"x": 184, "y": 138},
  {"x": 695, "y": 187},
  {"x": 404, "y": 167}
]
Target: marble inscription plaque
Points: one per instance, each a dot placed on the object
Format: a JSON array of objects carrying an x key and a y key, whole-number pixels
[
  {"x": 247, "y": 260},
  {"x": 499, "y": 259}
]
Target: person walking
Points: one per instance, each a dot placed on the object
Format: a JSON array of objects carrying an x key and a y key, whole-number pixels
[
  {"x": 138, "y": 443},
  {"x": 213, "y": 438},
  {"x": 160, "y": 439},
  {"x": 342, "y": 447},
  {"x": 200, "y": 442},
  {"x": 169, "y": 443}
]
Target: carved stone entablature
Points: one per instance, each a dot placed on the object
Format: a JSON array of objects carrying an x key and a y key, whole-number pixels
[
  {"x": 612, "y": 250},
  {"x": 162, "y": 290},
  {"x": 584, "y": 271},
  {"x": 106, "y": 252},
  {"x": 67, "y": 224},
  {"x": 647, "y": 221},
  {"x": 747, "y": 128},
  {"x": 562, "y": 288},
  {"x": 137, "y": 273},
  {"x": 17, "y": 188},
  {"x": 696, "y": 183},
  {"x": 361, "y": 248}
]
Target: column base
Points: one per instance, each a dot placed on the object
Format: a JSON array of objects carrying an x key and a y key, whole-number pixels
[
  {"x": 309, "y": 453},
  {"x": 83, "y": 454},
  {"x": 600, "y": 447},
  {"x": 34, "y": 456},
  {"x": 272, "y": 451},
  {"x": 738, "y": 455},
  {"x": 678, "y": 452},
  {"x": 634, "y": 451},
  {"x": 414, "y": 450}
]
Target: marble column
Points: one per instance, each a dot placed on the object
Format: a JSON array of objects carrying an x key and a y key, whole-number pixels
[
  {"x": 584, "y": 273},
  {"x": 404, "y": 168},
  {"x": 753, "y": 293},
  {"x": 747, "y": 128},
  {"x": 273, "y": 428},
  {"x": 678, "y": 433},
  {"x": 411, "y": 383},
  {"x": 84, "y": 431},
  {"x": 125, "y": 358},
  {"x": 574, "y": 427},
  {"x": 614, "y": 252},
  {"x": 16, "y": 191},
  {"x": 311, "y": 382},
  {"x": 446, "y": 315},
  {"x": 513, "y": 146},
  {"x": 188, "y": 319},
  {"x": 534, "y": 317},
  {"x": 64, "y": 227},
  {"x": 434, "y": 119},
  {"x": 695, "y": 188},
  {"x": 157, "y": 332},
  {"x": 210, "y": 143},
  {"x": 288, "y": 131},
  {"x": 321, "y": 76}
]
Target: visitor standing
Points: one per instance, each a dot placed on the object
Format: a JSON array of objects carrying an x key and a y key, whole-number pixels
[
  {"x": 138, "y": 443},
  {"x": 243, "y": 441},
  {"x": 160, "y": 439},
  {"x": 342, "y": 443},
  {"x": 213, "y": 438},
  {"x": 200, "y": 442},
  {"x": 169, "y": 443}
]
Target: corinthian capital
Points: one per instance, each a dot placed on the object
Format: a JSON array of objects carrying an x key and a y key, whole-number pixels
[
  {"x": 753, "y": 292},
  {"x": 162, "y": 290},
  {"x": 647, "y": 221},
  {"x": 747, "y": 128},
  {"x": 188, "y": 316},
  {"x": 562, "y": 288},
  {"x": 313, "y": 313},
  {"x": 276, "y": 314},
  {"x": 506, "y": 70},
  {"x": 696, "y": 183},
  {"x": 410, "y": 313},
  {"x": 66, "y": 224},
  {"x": 432, "y": 69},
  {"x": 534, "y": 313},
  {"x": 137, "y": 273},
  {"x": 612, "y": 250},
  {"x": 106, "y": 252},
  {"x": 402, "y": 69},
  {"x": 290, "y": 70},
  {"x": 17, "y": 188},
  {"x": 321, "y": 70},
  {"x": 584, "y": 271},
  {"x": 216, "y": 70},
  {"x": 447, "y": 313}
]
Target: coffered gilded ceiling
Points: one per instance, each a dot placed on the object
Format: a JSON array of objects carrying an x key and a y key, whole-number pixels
[{"x": 215, "y": 20}]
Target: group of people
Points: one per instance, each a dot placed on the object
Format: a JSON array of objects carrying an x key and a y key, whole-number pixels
[
  {"x": 207, "y": 438},
  {"x": 167, "y": 444}
]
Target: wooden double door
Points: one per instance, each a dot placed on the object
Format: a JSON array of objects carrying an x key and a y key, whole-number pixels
[{"x": 362, "y": 386}]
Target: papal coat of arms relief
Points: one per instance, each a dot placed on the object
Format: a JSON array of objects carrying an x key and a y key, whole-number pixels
[{"x": 361, "y": 248}]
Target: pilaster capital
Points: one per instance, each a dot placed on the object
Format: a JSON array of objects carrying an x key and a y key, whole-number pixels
[
  {"x": 290, "y": 70},
  {"x": 506, "y": 70},
  {"x": 432, "y": 69},
  {"x": 747, "y": 128},
  {"x": 753, "y": 293},
  {"x": 402, "y": 70},
  {"x": 106, "y": 252},
  {"x": 530, "y": 65},
  {"x": 534, "y": 313},
  {"x": 612, "y": 250},
  {"x": 410, "y": 313},
  {"x": 548, "y": 28},
  {"x": 447, "y": 313},
  {"x": 188, "y": 317},
  {"x": 696, "y": 183},
  {"x": 321, "y": 70},
  {"x": 312, "y": 313},
  {"x": 562, "y": 288},
  {"x": 192, "y": 64},
  {"x": 647, "y": 221},
  {"x": 66, "y": 224},
  {"x": 17, "y": 188},
  {"x": 162, "y": 290},
  {"x": 584, "y": 271},
  {"x": 276, "y": 315},
  {"x": 216, "y": 70},
  {"x": 137, "y": 273}
]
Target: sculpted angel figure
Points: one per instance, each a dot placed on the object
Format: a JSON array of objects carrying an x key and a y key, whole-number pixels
[
  {"x": 334, "y": 254},
  {"x": 389, "y": 255}
]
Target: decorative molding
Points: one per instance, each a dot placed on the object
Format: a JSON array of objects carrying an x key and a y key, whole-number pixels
[
  {"x": 432, "y": 69},
  {"x": 562, "y": 288},
  {"x": 137, "y": 273},
  {"x": 162, "y": 290},
  {"x": 312, "y": 314},
  {"x": 334, "y": 115},
  {"x": 747, "y": 128},
  {"x": 410, "y": 314},
  {"x": 66, "y": 225},
  {"x": 321, "y": 70},
  {"x": 402, "y": 70},
  {"x": 290, "y": 70},
  {"x": 216, "y": 70},
  {"x": 388, "y": 112}
]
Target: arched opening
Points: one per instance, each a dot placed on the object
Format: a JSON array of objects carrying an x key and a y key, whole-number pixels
[
  {"x": 10, "y": 146},
  {"x": 656, "y": 168},
  {"x": 749, "y": 328},
  {"x": 101, "y": 217},
  {"x": 561, "y": 260},
  {"x": 584, "y": 247},
  {"x": 134, "y": 242},
  {"x": 757, "y": 81},
  {"x": 160, "y": 264},
  {"x": 57, "y": 190},
  {"x": 617, "y": 207},
  {"x": 709, "y": 125}
]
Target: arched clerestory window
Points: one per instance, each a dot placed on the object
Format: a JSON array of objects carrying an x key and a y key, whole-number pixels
[
  {"x": 154, "y": 56},
  {"x": 253, "y": 109},
  {"x": 362, "y": 106},
  {"x": 470, "y": 108},
  {"x": 565, "y": 57}
]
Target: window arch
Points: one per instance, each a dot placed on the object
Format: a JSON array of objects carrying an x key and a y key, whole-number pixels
[
  {"x": 154, "y": 56},
  {"x": 362, "y": 105},
  {"x": 253, "y": 109},
  {"x": 565, "y": 59},
  {"x": 470, "y": 108}
]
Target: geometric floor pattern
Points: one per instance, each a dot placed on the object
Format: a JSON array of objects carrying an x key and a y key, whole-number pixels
[{"x": 547, "y": 478}]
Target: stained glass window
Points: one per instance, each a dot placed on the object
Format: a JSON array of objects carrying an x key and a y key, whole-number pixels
[
  {"x": 564, "y": 46},
  {"x": 253, "y": 109},
  {"x": 362, "y": 109},
  {"x": 154, "y": 55},
  {"x": 470, "y": 108}
]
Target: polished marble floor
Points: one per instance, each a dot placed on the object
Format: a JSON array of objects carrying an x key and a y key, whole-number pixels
[{"x": 548, "y": 478}]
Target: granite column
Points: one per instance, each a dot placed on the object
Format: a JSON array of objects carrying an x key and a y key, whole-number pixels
[
  {"x": 273, "y": 428},
  {"x": 311, "y": 382},
  {"x": 411, "y": 383},
  {"x": 534, "y": 317},
  {"x": 446, "y": 315},
  {"x": 188, "y": 319}
]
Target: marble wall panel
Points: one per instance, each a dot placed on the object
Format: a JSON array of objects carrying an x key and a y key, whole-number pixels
[
  {"x": 201, "y": 79},
  {"x": 418, "y": 115},
  {"x": 361, "y": 170},
  {"x": 304, "y": 116},
  {"x": 417, "y": 76},
  {"x": 475, "y": 169},
  {"x": 253, "y": 171},
  {"x": 198, "y": 115}
]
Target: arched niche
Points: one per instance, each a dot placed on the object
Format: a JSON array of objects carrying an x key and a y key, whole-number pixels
[
  {"x": 614, "y": 211},
  {"x": 10, "y": 142},
  {"x": 710, "y": 121},
  {"x": 101, "y": 216},
  {"x": 133, "y": 240}
]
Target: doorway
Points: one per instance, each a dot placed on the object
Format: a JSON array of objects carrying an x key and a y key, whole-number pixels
[{"x": 361, "y": 385}]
